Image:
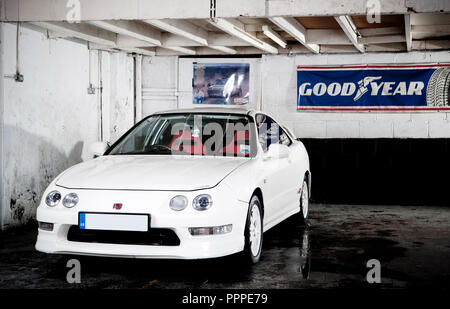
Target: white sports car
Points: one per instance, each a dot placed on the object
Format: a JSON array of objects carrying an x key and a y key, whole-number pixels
[{"x": 182, "y": 184}]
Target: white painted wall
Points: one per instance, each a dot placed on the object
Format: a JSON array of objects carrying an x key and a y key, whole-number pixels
[
  {"x": 2, "y": 196},
  {"x": 50, "y": 117},
  {"x": 159, "y": 84},
  {"x": 273, "y": 80}
]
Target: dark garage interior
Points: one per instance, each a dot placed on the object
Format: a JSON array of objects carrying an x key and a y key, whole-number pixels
[{"x": 380, "y": 171}]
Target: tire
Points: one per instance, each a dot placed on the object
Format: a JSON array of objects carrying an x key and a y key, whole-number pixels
[
  {"x": 304, "y": 203},
  {"x": 253, "y": 231},
  {"x": 438, "y": 88}
]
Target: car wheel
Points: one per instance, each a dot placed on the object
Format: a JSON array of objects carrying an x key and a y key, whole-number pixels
[
  {"x": 253, "y": 231},
  {"x": 304, "y": 203}
]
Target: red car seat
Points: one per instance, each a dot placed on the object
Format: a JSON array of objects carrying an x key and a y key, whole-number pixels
[
  {"x": 234, "y": 148},
  {"x": 185, "y": 142}
]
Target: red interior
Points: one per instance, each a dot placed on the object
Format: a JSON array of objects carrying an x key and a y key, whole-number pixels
[
  {"x": 185, "y": 142},
  {"x": 240, "y": 138}
]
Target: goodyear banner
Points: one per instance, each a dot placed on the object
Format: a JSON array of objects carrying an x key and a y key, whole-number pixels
[{"x": 374, "y": 87}]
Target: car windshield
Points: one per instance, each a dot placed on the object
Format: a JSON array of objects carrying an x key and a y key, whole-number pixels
[
  {"x": 202, "y": 134},
  {"x": 220, "y": 82}
]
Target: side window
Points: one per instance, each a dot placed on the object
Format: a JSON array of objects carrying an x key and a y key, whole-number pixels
[
  {"x": 270, "y": 132},
  {"x": 284, "y": 138}
]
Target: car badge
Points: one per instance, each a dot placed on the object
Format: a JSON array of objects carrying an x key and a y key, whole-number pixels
[{"x": 117, "y": 206}]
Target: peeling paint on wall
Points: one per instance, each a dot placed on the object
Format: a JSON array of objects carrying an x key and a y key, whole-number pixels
[{"x": 49, "y": 117}]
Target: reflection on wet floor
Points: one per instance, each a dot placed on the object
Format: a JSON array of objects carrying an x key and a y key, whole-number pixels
[{"x": 412, "y": 247}]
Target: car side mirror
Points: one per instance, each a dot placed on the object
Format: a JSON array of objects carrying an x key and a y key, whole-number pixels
[
  {"x": 277, "y": 151},
  {"x": 94, "y": 150}
]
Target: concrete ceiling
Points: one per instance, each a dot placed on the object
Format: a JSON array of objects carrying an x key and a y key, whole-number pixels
[{"x": 221, "y": 27}]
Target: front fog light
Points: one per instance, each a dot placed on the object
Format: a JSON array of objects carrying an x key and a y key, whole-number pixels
[
  {"x": 178, "y": 203},
  {"x": 53, "y": 198},
  {"x": 45, "y": 226},
  {"x": 202, "y": 202},
  {"x": 70, "y": 200},
  {"x": 213, "y": 230}
]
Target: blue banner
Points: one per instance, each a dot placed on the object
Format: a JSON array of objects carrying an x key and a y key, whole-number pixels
[{"x": 400, "y": 87}]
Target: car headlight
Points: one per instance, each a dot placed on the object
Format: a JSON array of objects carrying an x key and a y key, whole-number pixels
[
  {"x": 178, "y": 203},
  {"x": 70, "y": 200},
  {"x": 202, "y": 202},
  {"x": 52, "y": 199}
]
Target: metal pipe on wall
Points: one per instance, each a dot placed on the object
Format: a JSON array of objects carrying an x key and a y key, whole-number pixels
[{"x": 137, "y": 88}]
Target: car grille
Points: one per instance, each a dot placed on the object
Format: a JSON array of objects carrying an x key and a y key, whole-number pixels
[{"x": 154, "y": 237}]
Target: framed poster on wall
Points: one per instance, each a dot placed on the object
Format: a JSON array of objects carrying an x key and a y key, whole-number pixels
[
  {"x": 373, "y": 88},
  {"x": 221, "y": 83}
]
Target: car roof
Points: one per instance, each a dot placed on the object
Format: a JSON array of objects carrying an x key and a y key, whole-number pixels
[{"x": 218, "y": 110}]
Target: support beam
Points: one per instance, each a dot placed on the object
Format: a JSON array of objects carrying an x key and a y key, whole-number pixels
[
  {"x": 169, "y": 41},
  {"x": 224, "y": 49},
  {"x": 274, "y": 36},
  {"x": 57, "y": 10},
  {"x": 213, "y": 51},
  {"x": 223, "y": 39},
  {"x": 81, "y": 31},
  {"x": 181, "y": 50},
  {"x": 327, "y": 36},
  {"x": 295, "y": 29},
  {"x": 140, "y": 51},
  {"x": 408, "y": 36},
  {"x": 430, "y": 44},
  {"x": 383, "y": 39},
  {"x": 380, "y": 31},
  {"x": 233, "y": 30},
  {"x": 131, "y": 28},
  {"x": 181, "y": 28},
  {"x": 350, "y": 30},
  {"x": 271, "y": 8},
  {"x": 430, "y": 31},
  {"x": 127, "y": 41},
  {"x": 95, "y": 46},
  {"x": 389, "y": 47}
]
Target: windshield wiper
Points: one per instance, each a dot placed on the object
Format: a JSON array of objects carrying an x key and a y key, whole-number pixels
[{"x": 151, "y": 149}]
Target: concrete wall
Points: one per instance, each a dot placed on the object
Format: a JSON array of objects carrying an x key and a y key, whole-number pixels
[
  {"x": 50, "y": 117},
  {"x": 1, "y": 127},
  {"x": 273, "y": 80},
  {"x": 159, "y": 84}
]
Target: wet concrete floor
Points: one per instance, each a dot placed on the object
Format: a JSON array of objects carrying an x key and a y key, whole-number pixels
[{"x": 411, "y": 243}]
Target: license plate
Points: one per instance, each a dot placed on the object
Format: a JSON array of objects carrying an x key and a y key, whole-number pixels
[{"x": 113, "y": 222}]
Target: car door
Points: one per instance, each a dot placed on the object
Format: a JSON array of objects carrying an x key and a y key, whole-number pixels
[
  {"x": 297, "y": 168},
  {"x": 277, "y": 187}
]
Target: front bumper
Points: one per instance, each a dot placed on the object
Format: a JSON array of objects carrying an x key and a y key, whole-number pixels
[{"x": 225, "y": 210}]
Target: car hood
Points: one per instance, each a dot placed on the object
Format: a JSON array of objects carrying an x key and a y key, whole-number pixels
[{"x": 149, "y": 172}]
